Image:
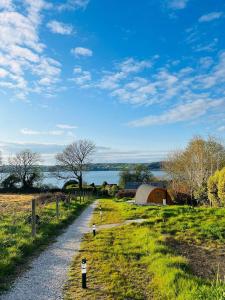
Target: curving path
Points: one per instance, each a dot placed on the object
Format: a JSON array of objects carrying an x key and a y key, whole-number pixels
[{"x": 48, "y": 272}]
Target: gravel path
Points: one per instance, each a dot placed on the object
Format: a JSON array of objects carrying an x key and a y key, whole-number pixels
[
  {"x": 112, "y": 225},
  {"x": 48, "y": 273}
]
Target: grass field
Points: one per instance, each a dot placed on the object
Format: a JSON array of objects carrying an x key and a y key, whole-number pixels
[
  {"x": 16, "y": 242},
  {"x": 142, "y": 261}
]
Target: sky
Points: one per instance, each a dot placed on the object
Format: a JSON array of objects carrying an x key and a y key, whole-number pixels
[{"x": 138, "y": 78}]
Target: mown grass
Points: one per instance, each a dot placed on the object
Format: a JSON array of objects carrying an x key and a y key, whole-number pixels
[
  {"x": 199, "y": 225},
  {"x": 134, "y": 262},
  {"x": 16, "y": 242}
]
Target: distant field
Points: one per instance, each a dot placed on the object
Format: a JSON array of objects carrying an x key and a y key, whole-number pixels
[
  {"x": 15, "y": 198},
  {"x": 177, "y": 253},
  {"x": 14, "y": 204}
]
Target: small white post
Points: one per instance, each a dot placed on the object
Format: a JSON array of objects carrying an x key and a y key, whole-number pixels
[
  {"x": 84, "y": 272},
  {"x": 94, "y": 229},
  {"x": 164, "y": 201}
]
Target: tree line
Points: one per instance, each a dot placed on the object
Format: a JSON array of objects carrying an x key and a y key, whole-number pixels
[
  {"x": 25, "y": 170},
  {"x": 191, "y": 168}
]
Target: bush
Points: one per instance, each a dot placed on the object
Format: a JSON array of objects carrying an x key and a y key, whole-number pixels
[
  {"x": 216, "y": 188},
  {"x": 126, "y": 194},
  {"x": 213, "y": 188},
  {"x": 221, "y": 187},
  {"x": 200, "y": 194}
]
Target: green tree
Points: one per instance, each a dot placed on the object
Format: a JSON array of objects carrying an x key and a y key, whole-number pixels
[
  {"x": 25, "y": 167},
  {"x": 140, "y": 173},
  {"x": 10, "y": 181},
  {"x": 212, "y": 186},
  {"x": 221, "y": 187},
  {"x": 193, "y": 166}
]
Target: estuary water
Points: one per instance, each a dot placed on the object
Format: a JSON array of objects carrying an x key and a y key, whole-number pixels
[{"x": 96, "y": 177}]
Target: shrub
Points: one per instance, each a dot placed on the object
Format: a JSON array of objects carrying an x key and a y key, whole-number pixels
[
  {"x": 126, "y": 194},
  {"x": 221, "y": 187},
  {"x": 213, "y": 188}
]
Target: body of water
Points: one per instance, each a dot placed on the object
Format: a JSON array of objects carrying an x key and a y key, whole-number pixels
[{"x": 98, "y": 177}]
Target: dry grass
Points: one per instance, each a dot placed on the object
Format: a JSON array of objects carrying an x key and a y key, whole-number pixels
[
  {"x": 14, "y": 204},
  {"x": 15, "y": 198}
]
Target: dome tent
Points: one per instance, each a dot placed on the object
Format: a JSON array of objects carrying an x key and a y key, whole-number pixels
[{"x": 147, "y": 194}]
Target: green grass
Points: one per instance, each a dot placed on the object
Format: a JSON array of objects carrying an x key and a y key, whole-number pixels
[
  {"x": 199, "y": 225},
  {"x": 16, "y": 242},
  {"x": 134, "y": 261}
]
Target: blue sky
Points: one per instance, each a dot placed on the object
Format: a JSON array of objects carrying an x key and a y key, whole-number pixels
[{"x": 139, "y": 78}]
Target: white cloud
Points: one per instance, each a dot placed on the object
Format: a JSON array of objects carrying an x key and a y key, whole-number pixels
[
  {"x": 181, "y": 113},
  {"x": 206, "y": 47},
  {"x": 221, "y": 128},
  {"x": 66, "y": 126},
  {"x": 204, "y": 80},
  {"x": 60, "y": 28},
  {"x": 22, "y": 54},
  {"x": 177, "y": 4},
  {"x": 81, "y": 78},
  {"x": 6, "y": 4},
  {"x": 26, "y": 131},
  {"x": 131, "y": 65},
  {"x": 74, "y": 4},
  {"x": 80, "y": 51},
  {"x": 111, "y": 80},
  {"x": 3, "y": 73},
  {"x": 210, "y": 17}
]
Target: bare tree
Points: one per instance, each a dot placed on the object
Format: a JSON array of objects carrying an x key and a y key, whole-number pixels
[
  {"x": 191, "y": 168},
  {"x": 24, "y": 166},
  {"x": 75, "y": 158}
]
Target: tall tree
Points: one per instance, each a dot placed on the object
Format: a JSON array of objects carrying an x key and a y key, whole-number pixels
[
  {"x": 193, "y": 166},
  {"x": 75, "y": 158},
  {"x": 25, "y": 167},
  {"x": 140, "y": 173}
]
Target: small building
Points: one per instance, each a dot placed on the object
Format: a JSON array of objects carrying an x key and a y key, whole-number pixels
[{"x": 147, "y": 195}]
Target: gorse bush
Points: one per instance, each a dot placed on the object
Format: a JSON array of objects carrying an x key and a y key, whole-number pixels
[{"x": 216, "y": 188}]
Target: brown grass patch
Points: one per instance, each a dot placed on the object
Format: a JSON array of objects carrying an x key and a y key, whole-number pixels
[{"x": 15, "y": 197}]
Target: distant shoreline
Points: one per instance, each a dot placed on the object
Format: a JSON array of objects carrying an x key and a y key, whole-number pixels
[{"x": 154, "y": 166}]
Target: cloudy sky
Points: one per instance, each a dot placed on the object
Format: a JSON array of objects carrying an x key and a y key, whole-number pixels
[{"x": 139, "y": 78}]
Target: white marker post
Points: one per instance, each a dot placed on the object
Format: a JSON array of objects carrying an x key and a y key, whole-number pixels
[
  {"x": 94, "y": 229},
  {"x": 84, "y": 273},
  {"x": 164, "y": 201}
]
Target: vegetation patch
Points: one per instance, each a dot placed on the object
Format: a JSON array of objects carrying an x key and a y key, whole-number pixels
[
  {"x": 16, "y": 241},
  {"x": 198, "y": 225},
  {"x": 133, "y": 262},
  {"x": 143, "y": 261}
]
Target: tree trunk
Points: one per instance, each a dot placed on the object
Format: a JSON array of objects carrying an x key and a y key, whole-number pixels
[{"x": 80, "y": 181}]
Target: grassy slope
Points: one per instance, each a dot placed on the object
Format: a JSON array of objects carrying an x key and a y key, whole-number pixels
[
  {"x": 16, "y": 243},
  {"x": 199, "y": 225},
  {"x": 133, "y": 261}
]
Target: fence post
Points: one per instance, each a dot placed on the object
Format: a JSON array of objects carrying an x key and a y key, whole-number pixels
[
  {"x": 33, "y": 217},
  {"x": 57, "y": 207}
]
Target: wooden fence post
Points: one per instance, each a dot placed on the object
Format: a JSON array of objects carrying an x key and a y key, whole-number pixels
[
  {"x": 57, "y": 207},
  {"x": 33, "y": 217}
]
